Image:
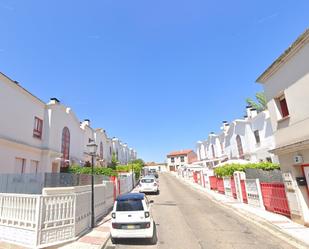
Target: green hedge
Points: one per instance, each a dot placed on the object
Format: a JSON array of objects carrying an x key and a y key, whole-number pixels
[
  {"x": 229, "y": 169},
  {"x": 137, "y": 167},
  {"x": 97, "y": 171}
]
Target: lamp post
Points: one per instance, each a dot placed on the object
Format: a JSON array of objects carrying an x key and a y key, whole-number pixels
[
  {"x": 132, "y": 176},
  {"x": 92, "y": 147}
]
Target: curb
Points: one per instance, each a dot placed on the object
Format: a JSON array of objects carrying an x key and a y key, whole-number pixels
[
  {"x": 253, "y": 218},
  {"x": 106, "y": 241}
]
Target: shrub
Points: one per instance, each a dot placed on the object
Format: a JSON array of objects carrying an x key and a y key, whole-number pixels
[
  {"x": 229, "y": 169},
  {"x": 87, "y": 170},
  {"x": 137, "y": 167}
]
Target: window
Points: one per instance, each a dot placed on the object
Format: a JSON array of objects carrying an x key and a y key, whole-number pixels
[
  {"x": 101, "y": 150},
  {"x": 38, "y": 128},
  {"x": 172, "y": 159},
  {"x": 34, "y": 166},
  {"x": 213, "y": 151},
  {"x": 20, "y": 165},
  {"x": 268, "y": 159},
  {"x": 239, "y": 147},
  {"x": 65, "y": 147},
  {"x": 110, "y": 150},
  {"x": 182, "y": 159},
  {"x": 147, "y": 180},
  {"x": 222, "y": 148},
  {"x": 283, "y": 106},
  {"x": 257, "y": 136},
  {"x": 129, "y": 205}
]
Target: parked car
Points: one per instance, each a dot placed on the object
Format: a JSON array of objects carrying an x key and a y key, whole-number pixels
[
  {"x": 132, "y": 218},
  {"x": 148, "y": 184},
  {"x": 154, "y": 172}
]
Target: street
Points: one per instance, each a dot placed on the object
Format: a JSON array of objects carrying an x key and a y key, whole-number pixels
[{"x": 187, "y": 219}]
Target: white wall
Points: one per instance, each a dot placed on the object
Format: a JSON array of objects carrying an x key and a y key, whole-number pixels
[{"x": 18, "y": 109}]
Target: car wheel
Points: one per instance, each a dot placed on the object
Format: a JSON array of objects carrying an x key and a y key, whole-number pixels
[
  {"x": 158, "y": 192},
  {"x": 114, "y": 240}
]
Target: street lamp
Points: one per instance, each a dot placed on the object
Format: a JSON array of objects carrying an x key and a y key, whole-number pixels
[
  {"x": 92, "y": 148},
  {"x": 132, "y": 176}
]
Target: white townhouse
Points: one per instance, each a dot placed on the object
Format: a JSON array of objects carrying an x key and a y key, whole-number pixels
[
  {"x": 286, "y": 85},
  {"x": 38, "y": 137},
  {"x": 103, "y": 151},
  {"x": 61, "y": 134},
  {"x": 248, "y": 139},
  {"x": 122, "y": 152},
  {"x": 21, "y": 128},
  {"x": 34, "y": 136}
]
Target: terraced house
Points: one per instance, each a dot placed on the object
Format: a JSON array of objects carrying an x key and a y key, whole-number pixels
[
  {"x": 286, "y": 84},
  {"x": 247, "y": 139},
  {"x": 45, "y": 137}
]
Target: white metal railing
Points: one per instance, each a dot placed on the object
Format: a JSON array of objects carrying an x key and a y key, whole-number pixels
[
  {"x": 38, "y": 221},
  {"x": 227, "y": 186}
]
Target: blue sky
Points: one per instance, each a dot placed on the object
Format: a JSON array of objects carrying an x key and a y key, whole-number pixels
[{"x": 159, "y": 75}]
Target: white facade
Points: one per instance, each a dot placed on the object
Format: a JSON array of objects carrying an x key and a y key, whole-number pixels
[
  {"x": 286, "y": 85},
  {"x": 250, "y": 139},
  {"x": 179, "y": 159},
  {"x": 38, "y": 137}
]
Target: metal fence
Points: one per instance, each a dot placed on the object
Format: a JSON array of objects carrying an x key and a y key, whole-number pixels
[
  {"x": 34, "y": 183},
  {"x": 264, "y": 175}
]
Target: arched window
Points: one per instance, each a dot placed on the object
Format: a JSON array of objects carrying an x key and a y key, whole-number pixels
[
  {"x": 65, "y": 147},
  {"x": 239, "y": 147},
  {"x": 101, "y": 150},
  {"x": 213, "y": 151}
]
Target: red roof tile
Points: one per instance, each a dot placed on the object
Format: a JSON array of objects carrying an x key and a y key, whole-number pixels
[{"x": 181, "y": 152}]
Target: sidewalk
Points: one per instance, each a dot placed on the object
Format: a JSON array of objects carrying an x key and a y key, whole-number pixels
[
  {"x": 279, "y": 225},
  {"x": 94, "y": 239}
]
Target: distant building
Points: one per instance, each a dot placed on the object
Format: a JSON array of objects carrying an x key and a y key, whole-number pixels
[
  {"x": 181, "y": 158},
  {"x": 160, "y": 167},
  {"x": 286, "y": 85}
]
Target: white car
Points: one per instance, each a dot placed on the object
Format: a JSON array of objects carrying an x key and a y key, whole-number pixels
[
  {"x": 131, "y": 218},
  {"x": 148, "y": 184}
]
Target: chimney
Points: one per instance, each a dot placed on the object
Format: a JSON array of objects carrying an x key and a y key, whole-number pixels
[
  {"x": 253, "y": 112},
  {"x": 248, "y": 110},
  {"x": 225, "y": 126},
  {"x": 54, "y": 101},
  {"x": 86, "y": 122}
]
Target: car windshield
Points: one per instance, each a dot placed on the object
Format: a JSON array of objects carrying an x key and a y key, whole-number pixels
[
  {"x": 129, "y": 205},
  {"x": 147, "y": 180}
]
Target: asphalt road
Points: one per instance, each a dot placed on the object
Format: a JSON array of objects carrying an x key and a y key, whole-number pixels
[{"x": 187, "y": 219}]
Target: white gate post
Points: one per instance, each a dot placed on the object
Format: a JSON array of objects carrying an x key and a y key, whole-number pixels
[
  {"x": 238, "y": 175},
  {"x": 258, "y": 187}
]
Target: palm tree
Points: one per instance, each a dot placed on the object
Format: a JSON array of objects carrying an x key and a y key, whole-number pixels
[{"x": 261, "y": 103}]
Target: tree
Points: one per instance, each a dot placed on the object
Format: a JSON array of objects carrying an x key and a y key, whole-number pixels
[
  {"x": 114, "y": 162},
  {"x": 261, "y": 103},
  {"x": 138, "y": 161}
]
